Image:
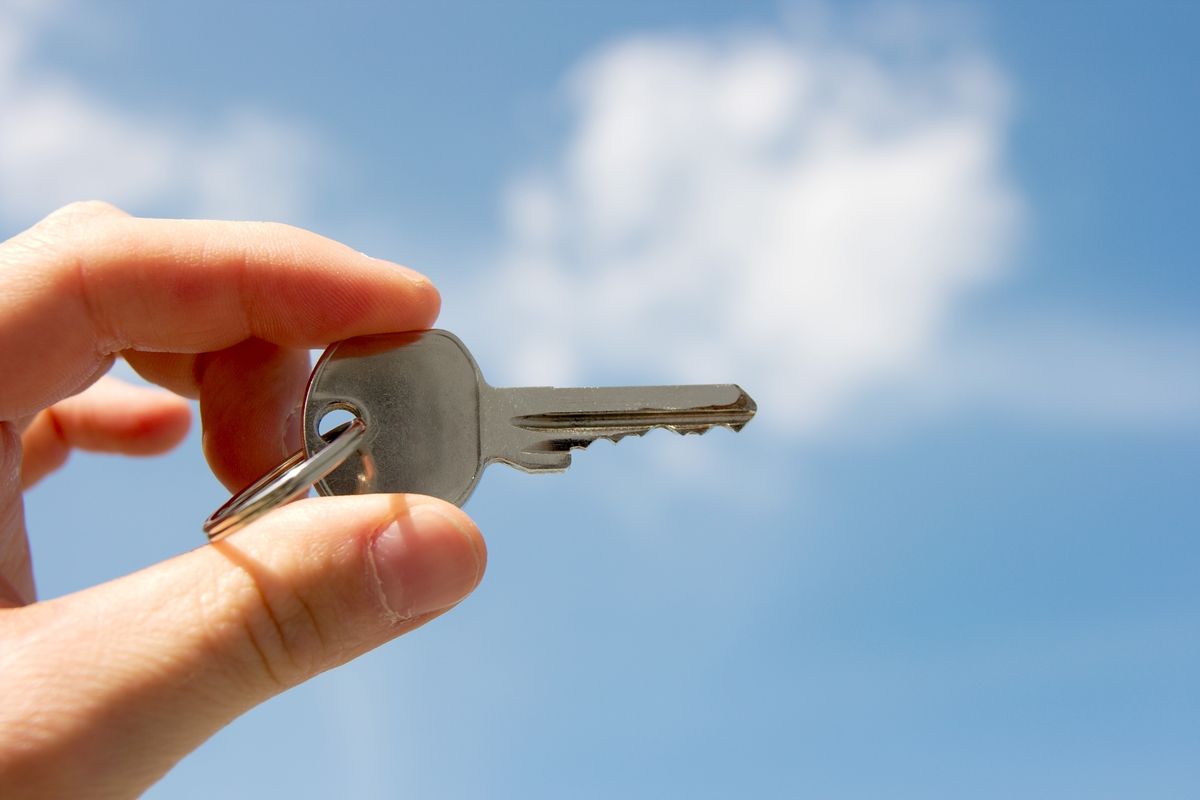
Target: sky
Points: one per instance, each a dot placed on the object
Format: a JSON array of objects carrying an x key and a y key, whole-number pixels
[{"x": 949, "y": 248}]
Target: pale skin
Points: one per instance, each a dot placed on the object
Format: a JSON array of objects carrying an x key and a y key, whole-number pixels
[{"x": 104, "y": 690}]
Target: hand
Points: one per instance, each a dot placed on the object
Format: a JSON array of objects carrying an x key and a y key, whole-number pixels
[{"x": 102, "y": 691}]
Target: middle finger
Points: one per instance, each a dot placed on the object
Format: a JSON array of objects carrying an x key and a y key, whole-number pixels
[{"x": 251, "y": 396}]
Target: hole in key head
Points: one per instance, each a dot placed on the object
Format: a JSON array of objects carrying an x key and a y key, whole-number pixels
[{"x": 334, "y": 419}]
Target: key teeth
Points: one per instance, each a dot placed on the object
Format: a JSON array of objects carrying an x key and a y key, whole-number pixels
[{"x": 565, "y": 446}]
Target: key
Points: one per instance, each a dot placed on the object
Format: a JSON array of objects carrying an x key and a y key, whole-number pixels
[{"x": 433, "y": 424}]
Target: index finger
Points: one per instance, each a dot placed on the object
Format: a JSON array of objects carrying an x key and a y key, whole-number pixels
[{"x": 90, "y": 281}]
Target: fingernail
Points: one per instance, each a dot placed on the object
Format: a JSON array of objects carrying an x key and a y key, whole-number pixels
[
  {"x": 424, "y": 562},
  {"x": 292, "y": 438}
]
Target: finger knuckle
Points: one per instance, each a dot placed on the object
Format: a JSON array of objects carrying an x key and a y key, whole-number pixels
[
  {"x": 281, "y": 637},
  {"x": 58, "y": 237},
  {"x": 269, "y": 234},
  {"x": 86, "y": 209},
  {"x": 282, "y": 241}
]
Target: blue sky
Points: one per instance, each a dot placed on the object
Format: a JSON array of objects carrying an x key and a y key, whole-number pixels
[{"x": 949, "y": 248}]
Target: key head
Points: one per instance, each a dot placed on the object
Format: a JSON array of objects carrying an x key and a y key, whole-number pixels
[{"x": 419, "y": 395}]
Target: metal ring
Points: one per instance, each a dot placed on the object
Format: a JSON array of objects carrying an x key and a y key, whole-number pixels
[{"x": 285, "y": 483}]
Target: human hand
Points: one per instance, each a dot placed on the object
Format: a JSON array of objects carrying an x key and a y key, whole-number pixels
[{"x": 102, "y": 691}]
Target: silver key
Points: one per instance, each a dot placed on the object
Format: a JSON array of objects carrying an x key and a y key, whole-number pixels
[{"x": 433, "y": 423}]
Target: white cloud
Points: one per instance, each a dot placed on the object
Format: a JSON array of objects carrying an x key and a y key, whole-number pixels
[
  {"x": 800, "y": 217},
  {"x": 805, "y": 216},
  {"x": 59, "y": 142}
]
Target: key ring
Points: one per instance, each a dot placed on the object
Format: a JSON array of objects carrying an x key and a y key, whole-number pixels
[{"x": 285, "y": 482}]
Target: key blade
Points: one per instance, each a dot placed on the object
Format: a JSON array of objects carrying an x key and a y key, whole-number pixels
[
  {"x": 536, "y": 428},
  {"x": 692, "y": 409}
]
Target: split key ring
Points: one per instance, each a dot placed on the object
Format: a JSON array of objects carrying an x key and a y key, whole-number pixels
[{"x": 291, "y": 479}]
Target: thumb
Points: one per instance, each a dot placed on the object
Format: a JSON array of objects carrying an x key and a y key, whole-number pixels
[{"x": 118, "y": 682}]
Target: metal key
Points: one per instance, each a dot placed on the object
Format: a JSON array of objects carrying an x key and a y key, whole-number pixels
[{"x": 433, "y": 423}]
